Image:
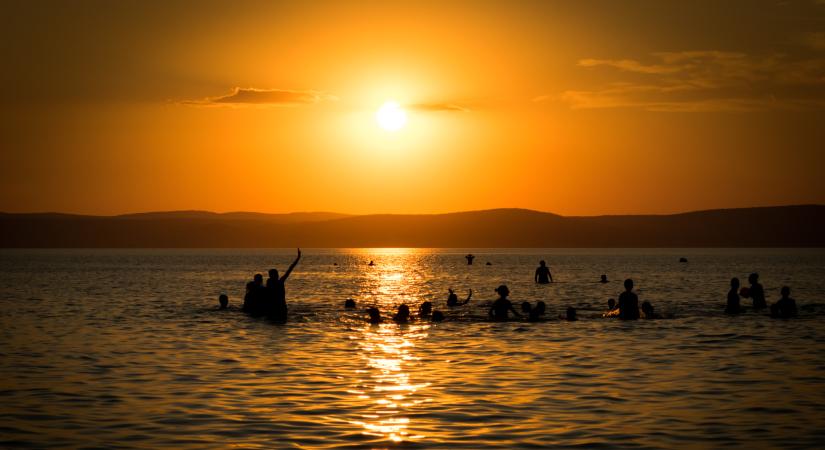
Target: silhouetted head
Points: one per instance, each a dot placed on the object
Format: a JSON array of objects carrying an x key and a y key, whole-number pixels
[
  {"x": 425, "y": 309},
  {"x": 734, "y": 283},
  {"x": 403, "y": 312},
  {"x": 375, "y": 315},
  {"x": 489, "y": 263},
  {"x": 603, "y": 279},
  {"x": 628, "y": 284},
  {"x": 438, "y": 316},
  {"x": 526, "y": 307},
  {"x": 647, "y": 308},
  {"x": 786, "y": 292},
  {"x": 611, "y": 303},
  {"x": 450, "y": 291},
  {"x": 753, "y": 278},
  {"x": 503, "y": 291},
  {"x": 349, "y": 303},
  {"x": 223, "y": 299},
  {"x": 540, "y": 307},
  {"x": 273, "y": 273},
  {"x": 571, "y": 313},
  {"x": 258, "y": 279},
  {"x": 542, "y": 263}
]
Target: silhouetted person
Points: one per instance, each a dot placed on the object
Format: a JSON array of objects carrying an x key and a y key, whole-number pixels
[
  {"x": 470, "y": 259},
  {"x": 489, "y": 263},
  {"x": 372, "y": 263},
  {"x": 349, "y": 304},
  {"x": 603, "y": 279},
  {"x": 375, "y": 315},
  {"x": 248, "y": 297},
  {"x": 438, "y": 316},
  {"x": 403, "y": 314},
  {"x": 570, "y": 314},
  {"x": 647, "y": 310},
  {"x": 733, "y": 306},
  {"x": 785, "y": 307},
  {"x": 500, "y": 308},
  {"x": 254, "y": 301},
  {"x": 425, "y": 309},
  {"x": 682, "y": 260},
  {"x": 223, "y": 299},
  {"x": 537, "y": 313},
  {"x": 543, "y": 275},
  {"x": 277, "y": 291},
  {"x": 526, "y": 307},
  {"x": 611, "y": 304},
  {"x": 452, "y": 299},
  {"x": 756, "y": 292},
  {"x": 628, "y": 302}
]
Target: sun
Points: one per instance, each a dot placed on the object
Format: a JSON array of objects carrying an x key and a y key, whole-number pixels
[{"x": 391, "y": 116}]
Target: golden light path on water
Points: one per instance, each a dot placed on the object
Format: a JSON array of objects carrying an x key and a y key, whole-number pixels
[{"x": 387, "y": 351}]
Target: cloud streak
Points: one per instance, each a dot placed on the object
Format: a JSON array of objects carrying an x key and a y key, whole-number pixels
[
  {"x": 264, "y": 97},
  {"x": 436, "y": 107},
  {"x": 702, "y": 81}
]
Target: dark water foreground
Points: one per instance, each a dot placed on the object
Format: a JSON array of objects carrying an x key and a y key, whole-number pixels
[{"x": 122, "y": 348}]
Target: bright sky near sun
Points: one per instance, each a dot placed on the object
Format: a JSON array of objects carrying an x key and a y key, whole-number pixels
[{"x": 578, "y": 108}]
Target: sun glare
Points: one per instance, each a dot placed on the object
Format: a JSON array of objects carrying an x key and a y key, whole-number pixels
[{"x": 391, "y": 116}]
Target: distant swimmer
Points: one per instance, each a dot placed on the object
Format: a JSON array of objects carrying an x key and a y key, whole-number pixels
[
  {"x": 425, "y": 309},
  {"x": 647, "y": 310},
  {"x": 452, "y": 298},
  {"x": 372, "y": 263},
  {"x": 683, "y": 260},
  {"x": 628, "y": 302},
  {"x": 526, "y": 307},
  {"x": 470, "y": 257},
  {"x": 502, "y": 306},
  {"x": 276, "y": 288},
  {"x": 403, "y": 314},
  {"x": 489, "y": 263},
  {"x": 603, "y": 279},
  {"x": 756, "y": 292},
  {"x": 438, "y": 316},
  {"x": 570, "y": 314},
  {"x": 223, "y": 300},
  {"x": 349, "y": 304},
  {"x": 733, "y": 307},
  {"x": 543, "y": 275},
  {"x": 785, "y": 307},
  {"x": 611, "y": 304},
  {"x": 375, "y": 315},
  {"x": 537, "y": 313}
]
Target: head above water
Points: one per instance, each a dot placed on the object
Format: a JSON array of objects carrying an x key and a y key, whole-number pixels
[
  {"x": 628, "y": 284},
  {"x": 258, "y": 278},
  {"x": 647, "y": 308},
  {"x": 540, "y": 307},
  {"x": 403, "y": 311},
  {"x": 273, "y": 273},
  {"x": 374, "y": 313},
  {"x": 734, "y": 283},
  {"x": 571, "y": 313},
  {"x": 503, "y": 291},
  {"x": 786, "y": 292},
  {"x": 526, "y": 307},
  {"x": 542, "y": 263},
  {"x": 223, "y": 299},
  {"x": 438, "y": 316},
  {"x": 753, "y": 278},
  {"x": 425, "y": 309},
  {"x": 611, "y": 303},
  {"x": 349, "y": 303},
  {"x": 603, "y": 278}
]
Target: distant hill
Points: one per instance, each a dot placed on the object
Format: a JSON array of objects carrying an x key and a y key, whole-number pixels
[{"x": 783, "y": 226}]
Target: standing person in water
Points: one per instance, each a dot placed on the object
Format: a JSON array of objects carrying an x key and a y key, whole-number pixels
[
  {"x": 628, "y": 302},
  {"x": 756, "y": 292},
  {"x": 733, "y": 306},
  {"x": 470, "y": 259},
  {"x": 452, "y": 299},
  {"x": 786, "y": 306},
  {"x": 501, "y": 307},
  {"x": 277, "y": 291},
  {"x": 543, "y": 275}
]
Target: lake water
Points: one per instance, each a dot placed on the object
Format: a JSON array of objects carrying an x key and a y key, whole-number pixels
[{"x": 124, "y": 349}]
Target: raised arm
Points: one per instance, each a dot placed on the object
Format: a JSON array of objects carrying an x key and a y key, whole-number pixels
[
  {"x": 469, "y": 296},
  {"x": 291, "y": 266}
]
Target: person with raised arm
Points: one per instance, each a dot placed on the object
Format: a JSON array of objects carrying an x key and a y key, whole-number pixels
[{"x": 277, "y": 310}]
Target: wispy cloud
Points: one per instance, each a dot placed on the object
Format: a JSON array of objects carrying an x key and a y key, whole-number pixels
[
  {"x": 262, "y": 97},
  {"x": 435, "y": 107},
  {"x": 703, "y": 81}
]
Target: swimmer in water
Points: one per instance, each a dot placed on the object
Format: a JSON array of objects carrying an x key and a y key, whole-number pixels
[
  {"x": 276, "y": 288},
  {"x": 470, "y": 259},
  {"x": 375, "y": 315},
  {"x": 732, "y": 306},
  {"x": 756, "y": 292},
  {"x": 372, "y": 263},
  {"x": 403, "y": 314},
  {"x": 570, "y": 314},
  {"x": 438, "y": 316},
  {"x": 502, "y": 306},
  {"x": 611, "y": 304},
  {"x": 603, "y": 279},
  {"x": 452, "y": 298},
  {"x": 785, "y": 307},
  {"x": 223, "y": 300},
  {"x": 543, "y": 275},
  {"x": 349, "y": 304},
  {"x": 537, "y": 313},
  {"x": 526, "y": 307},
  {"x": 425, "y": 309},
  {"x": 647, "y": 310},
  {"x": 628, "y": 302}
]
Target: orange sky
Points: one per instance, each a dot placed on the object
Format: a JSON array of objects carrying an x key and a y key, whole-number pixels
[{"x": 577, "y": 108}]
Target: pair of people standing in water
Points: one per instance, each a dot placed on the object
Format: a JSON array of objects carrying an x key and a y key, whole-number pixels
[{"x": 269, "y": 300}]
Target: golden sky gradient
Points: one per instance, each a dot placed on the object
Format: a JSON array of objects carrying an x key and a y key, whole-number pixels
[{"x": 578, "y": 108}]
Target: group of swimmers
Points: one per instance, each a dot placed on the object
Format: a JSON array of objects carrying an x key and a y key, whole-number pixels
[{"x": 269, "y": 300}]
